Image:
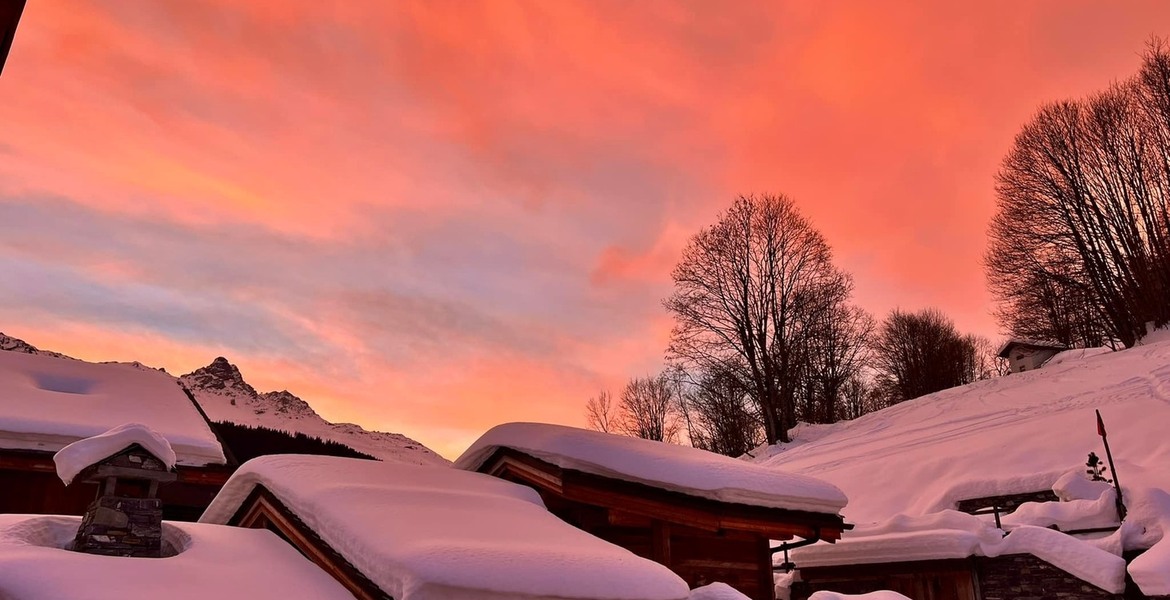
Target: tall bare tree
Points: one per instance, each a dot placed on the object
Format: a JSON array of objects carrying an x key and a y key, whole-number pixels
[
  {"x": 921, "y": 353},
  {"x": 747, "y": 292},
  {"x": 719, "y": 414},
  {"x": 600, "y": 412},
  {"x": 1080, "y": 242},
  {"x": 648, "y": 409}
]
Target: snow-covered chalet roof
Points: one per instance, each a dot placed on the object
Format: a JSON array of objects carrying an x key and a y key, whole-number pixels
[
  {"x": 437, "y": 532},
  {"x": 75, "y": 457},
  {"x": 1007, "y": 346},
  {"x": 671, "y": 467},
  {"x": 224, "y": 563},
  {"x": 47, "y": 403}
]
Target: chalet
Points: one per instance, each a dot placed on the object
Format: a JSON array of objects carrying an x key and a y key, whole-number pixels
[
  {"x": 10, "y": 11},
  {"x": 47, "y": 403},
  {"x": 1028, "y": 355},
  {"x": 707, "y": 517},
  {"x": 402, "y": 531}
]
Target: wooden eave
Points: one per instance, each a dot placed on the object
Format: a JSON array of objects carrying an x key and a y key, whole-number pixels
[
  {"x": 628, "y": 501},
  {"x": 886, "y": 569},
  {"x": 10, "y": 11},
  {"x": 40, "y": 461},
  {"x": 263, "y": 510}
]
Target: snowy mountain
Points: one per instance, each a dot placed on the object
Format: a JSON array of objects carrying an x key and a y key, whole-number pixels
[
  {"x": 12, "y": 344},
  {"x": 225, "y": 396},
  {"x": 221, "y": 391}
]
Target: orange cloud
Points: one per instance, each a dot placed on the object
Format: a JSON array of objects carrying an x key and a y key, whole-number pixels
[{"x": 434, "y": 217}]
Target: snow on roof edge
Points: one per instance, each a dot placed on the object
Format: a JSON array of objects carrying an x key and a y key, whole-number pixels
[
  {"x": 682, "y": 469},
  {"x": 79, "y": 455}
]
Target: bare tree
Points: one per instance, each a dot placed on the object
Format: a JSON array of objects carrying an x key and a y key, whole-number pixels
[
  {"x": 648, "y": 409},
  {"x": 599, "y": 412},
  {"x": 1080, "y": 242},
  {"x": 838, "y": 351},
  {"x": 719, "y": 414},
  {"x": 921, "y": 353},
  {"x": 747, "y": 294}
]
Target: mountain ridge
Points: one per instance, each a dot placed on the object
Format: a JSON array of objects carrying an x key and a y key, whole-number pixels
[{"x": 224, "y": 395}]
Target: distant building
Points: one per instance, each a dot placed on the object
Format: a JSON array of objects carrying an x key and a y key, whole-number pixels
[{"x": 1028, "y": 355}]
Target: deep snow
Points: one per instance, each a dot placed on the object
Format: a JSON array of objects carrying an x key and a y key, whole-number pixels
[
  {"x": 47, "y": 403},
  {"x": 905, "y": 466},
  {"x": 678, "y": 468},
  {"x": 430, "y": 533}
]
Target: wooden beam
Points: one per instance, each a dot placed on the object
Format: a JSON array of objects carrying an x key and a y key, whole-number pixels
[
  {"x": 263, "y": 510},
  {"x": 103, "y": 471},
  {"x": 657, "y": 503},
  {"x": 660, "y": 542}
]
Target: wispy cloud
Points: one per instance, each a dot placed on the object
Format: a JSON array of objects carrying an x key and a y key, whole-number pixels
[{"x": 432, "y": 217}]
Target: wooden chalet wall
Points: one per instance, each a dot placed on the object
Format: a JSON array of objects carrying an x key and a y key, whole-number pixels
[
  {"x": 29, "y": 485},
  {"x": 917, "y": 580},
  {"x": 701, "y": 540},
  {"x": 1010, "y": 577}
]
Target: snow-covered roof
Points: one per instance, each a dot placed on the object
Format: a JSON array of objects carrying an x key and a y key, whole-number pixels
[
  {"x": 75, "y": 457},
  {"x": 47, "y": 403},
  {"x": 430, "y": 532},
  {"x": 671, "y": 467},
  {"x": 1008, "y": 345},
  {"x": 1023, "y": 433},
  {"x": 1082, "y": 559},
  {"x": 215, "y": 562}
]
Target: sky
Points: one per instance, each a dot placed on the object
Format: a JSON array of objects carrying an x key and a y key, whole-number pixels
[{"x": 434, "y": 217}]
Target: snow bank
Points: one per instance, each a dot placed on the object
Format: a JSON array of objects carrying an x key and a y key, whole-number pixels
[
  {"x": 225, "y": 563},
  {"x": 47, "y": 403},
  {"x": 1068, "y": 516},
  {"x": 668, "y": 466},
  {"x": 1013, "y": 434},
  {"x": 717, "y": 591},
  {"x": 1078, "y": 558},
  {"x": 429, "y": 533},
  {"x": 75, "y": 457},
  {"x": 1021, "y": 433},
  {"x": 1151, "y": 570},
  {"x": 879, "y": 595}
]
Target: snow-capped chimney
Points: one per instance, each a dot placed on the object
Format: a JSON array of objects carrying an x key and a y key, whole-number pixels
[{"x": 128, "y": 462}]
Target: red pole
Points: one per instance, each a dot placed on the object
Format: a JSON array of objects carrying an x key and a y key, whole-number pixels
[{"x": 1113, "y": 469}]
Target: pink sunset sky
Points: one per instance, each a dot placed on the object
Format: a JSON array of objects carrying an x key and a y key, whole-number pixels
[{"x": 433, "y": 217}]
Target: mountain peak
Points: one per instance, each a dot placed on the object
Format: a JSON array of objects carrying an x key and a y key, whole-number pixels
[
  {"x": 220, "y": 375},
  {"x": 12, "y": 344}
]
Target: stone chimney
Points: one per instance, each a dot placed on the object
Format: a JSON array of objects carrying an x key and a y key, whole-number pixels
[{"x": 125, "y": 519}]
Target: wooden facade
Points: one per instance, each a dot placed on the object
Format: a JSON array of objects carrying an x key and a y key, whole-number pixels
[
  {"x": 1007, "y": 577},
  {"x": 918, "y": 580},
  {"x": 702, "y": 540},
  {"x": 262, "y": 510},
  {"x": 30, "y": 485}
]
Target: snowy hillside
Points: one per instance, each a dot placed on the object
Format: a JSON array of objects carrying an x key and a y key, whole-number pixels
[
  {"x": 225, "y": 396},
  {"x": 905, "y": 467}
]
